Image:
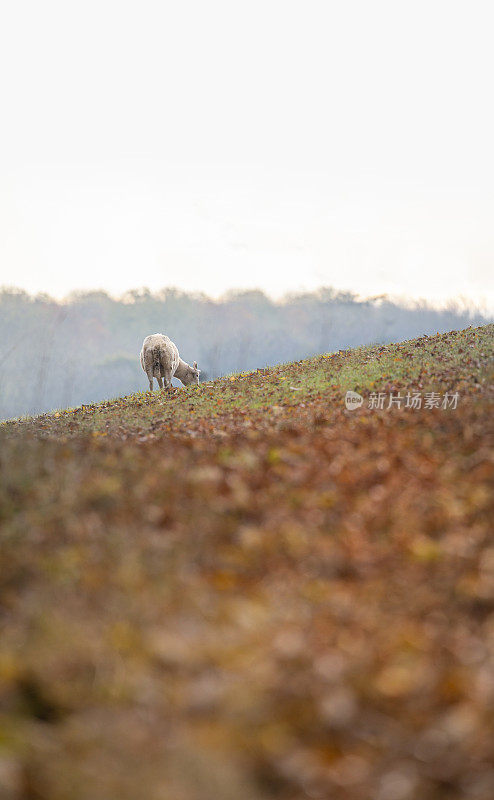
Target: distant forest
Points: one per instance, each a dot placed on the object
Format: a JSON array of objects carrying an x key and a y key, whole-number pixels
[{"x": 86, "y": 348}]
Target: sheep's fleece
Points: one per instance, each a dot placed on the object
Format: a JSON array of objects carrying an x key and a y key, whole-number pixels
[{"x": 160, "y": 359}]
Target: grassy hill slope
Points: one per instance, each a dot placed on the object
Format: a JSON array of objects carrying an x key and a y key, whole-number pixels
[{"x": 243, "y": 590}]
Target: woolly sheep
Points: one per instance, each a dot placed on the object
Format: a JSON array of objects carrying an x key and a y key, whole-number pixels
[{"x": 160, "y": 360}]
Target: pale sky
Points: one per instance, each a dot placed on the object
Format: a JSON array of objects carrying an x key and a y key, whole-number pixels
[{"x": 221, "y": 144}]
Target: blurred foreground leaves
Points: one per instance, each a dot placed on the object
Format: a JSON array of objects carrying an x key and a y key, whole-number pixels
[{"x": 300, "y": 604}]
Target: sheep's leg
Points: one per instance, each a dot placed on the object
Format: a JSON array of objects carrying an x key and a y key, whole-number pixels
[
  {"x": 150, "y": 379},
  {"x": 160, "y": 381},
  {"x": 168, "y": 379}
]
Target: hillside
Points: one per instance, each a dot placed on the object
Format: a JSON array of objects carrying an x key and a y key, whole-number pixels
[
  {"x": 85, "y": 348},
  {"x": 244, "y": 590}
]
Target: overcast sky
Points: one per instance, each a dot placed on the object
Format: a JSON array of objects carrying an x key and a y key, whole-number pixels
[{"x": 221, "y": 144}]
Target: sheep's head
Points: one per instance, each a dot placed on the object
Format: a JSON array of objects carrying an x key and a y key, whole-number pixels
[{"x": 191, "y": 375}]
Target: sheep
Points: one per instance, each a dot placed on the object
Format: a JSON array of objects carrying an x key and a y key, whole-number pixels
[{"x": 160, "y": 360}]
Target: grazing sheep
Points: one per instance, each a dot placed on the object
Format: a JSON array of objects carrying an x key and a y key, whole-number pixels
[{"x": 160, "y": 360}]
